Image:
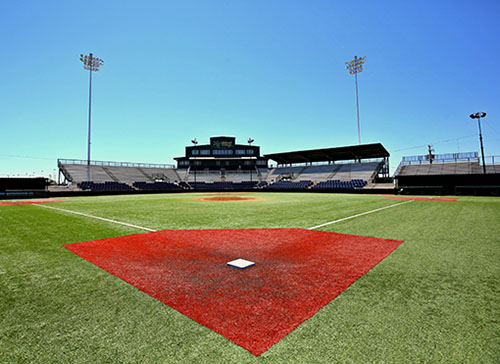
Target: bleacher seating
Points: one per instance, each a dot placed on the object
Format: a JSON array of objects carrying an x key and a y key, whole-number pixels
[
  {"x": 277, "y": 173},
  {"x": 289, "y": 185},
  {"x": 241, "y": 176},
  {"x": 440, "y": 169},
  {"x": 340, "y": 185},
  {"x": 156, "y": 186},
  {"x": 166, "y": 174},
  {"x": 81, "y": 172},
  {"x": 223, "y": 186},
  {"x": 351, "y": 171},
  {"x": 106, "y": 186},
  {"x": 77, "y": 171},
  {"x": 108, "y": 176},
  {"x": 319, "y": 172},
  {"x": 126, "y": 174},
  {"x": 203, "y": 176}
]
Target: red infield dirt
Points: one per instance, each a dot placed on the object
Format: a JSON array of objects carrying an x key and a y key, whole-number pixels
[
  {"x": 296, "y": 273},
  {"x": 225, "y": 198},
  {"x": 422, "y": 198},
  {"x": 26, "y": 202},
  {"x": 226, "y": 193}
]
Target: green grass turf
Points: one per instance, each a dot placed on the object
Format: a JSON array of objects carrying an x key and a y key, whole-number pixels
[{"x": 436, "y": 299}]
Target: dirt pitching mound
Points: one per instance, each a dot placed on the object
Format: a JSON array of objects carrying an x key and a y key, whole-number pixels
[
  {"x": 225, "y": 198},
  {"x": 225, "y": 193}
]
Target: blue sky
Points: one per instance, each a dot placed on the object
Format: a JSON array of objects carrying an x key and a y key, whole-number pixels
[{"x": 272, "y": 70}]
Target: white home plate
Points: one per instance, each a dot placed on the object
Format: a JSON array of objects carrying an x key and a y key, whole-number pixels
[{"x": 240, "y": 263}]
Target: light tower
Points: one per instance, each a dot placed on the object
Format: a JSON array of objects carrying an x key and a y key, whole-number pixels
[
  {"x": 90, "y": 63},
  {"x": 478, "y": 116},
  {"x": 250, "y": 141},
  {"x": 354, "y": 67},
  {"x": 195, "y": 143}
]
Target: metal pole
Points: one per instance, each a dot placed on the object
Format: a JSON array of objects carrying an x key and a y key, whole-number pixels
[
  {"x": 481, "y": 142},
  {"x": 90, "y": 113},
  {"x": 357, "y": 105},
  {"x": 194, "y": 162}
]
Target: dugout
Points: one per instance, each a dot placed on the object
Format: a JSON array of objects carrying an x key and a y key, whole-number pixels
[
  {"x": 448, "y": 174},
  {"x": 23, "y": 187}
]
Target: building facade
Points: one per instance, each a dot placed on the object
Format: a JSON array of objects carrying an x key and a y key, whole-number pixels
[{"x": 222, "y": 154}]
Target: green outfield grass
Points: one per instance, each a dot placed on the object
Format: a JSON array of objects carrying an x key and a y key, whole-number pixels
[{"x": 436, "y": 299}]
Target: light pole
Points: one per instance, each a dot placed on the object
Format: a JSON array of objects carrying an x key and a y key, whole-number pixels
[
  {"x": 90, "y": 63},
  {"x": 250, "y": 141},
  {"x": 354, "y": 67},
  {"x": 195, "y": 142},
  {"x": 478, "y": 116}
]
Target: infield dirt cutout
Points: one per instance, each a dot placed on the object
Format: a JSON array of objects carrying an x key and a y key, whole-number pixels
[
  {"x": 296, "y": 273},
  {"x": 10, "y": 203},
  {"x": 226, "y": 198},
  {"x": 422, "y": 198}
]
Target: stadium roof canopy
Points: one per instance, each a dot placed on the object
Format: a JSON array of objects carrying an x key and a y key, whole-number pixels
[{"x": 364, "y": 151}]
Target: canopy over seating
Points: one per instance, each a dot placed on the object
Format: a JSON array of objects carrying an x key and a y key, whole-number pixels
[{"x": 355, "y": 152}]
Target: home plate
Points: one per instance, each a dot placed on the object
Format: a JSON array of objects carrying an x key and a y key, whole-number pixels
[{"x": 240, "y": 263}]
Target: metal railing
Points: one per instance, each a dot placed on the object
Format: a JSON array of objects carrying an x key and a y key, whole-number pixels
[
  {"x": 441, "y": 158},
  {"x": 113, "y": 164},
  {"x": 452, "y": 158}
]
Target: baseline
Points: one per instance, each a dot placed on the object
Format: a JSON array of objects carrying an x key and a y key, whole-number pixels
[
  {"x": 148, "y": 229},
  {"x": 361, "y": 214},
  {"x": 95, "y": 217}
]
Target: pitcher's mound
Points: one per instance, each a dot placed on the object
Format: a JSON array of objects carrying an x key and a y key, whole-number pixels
[{"x": 225, "y": 198}]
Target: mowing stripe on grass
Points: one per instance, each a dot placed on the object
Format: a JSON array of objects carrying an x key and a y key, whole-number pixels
[
  {"x": 96, "y": 217},
  {"x": 352, "y": 217}
]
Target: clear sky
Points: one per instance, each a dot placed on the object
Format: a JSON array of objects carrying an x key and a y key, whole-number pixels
[{"x": 272, "y": 70}]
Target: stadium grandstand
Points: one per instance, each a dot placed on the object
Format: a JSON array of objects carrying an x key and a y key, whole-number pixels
[
  {"x": 76, "y": 171},
  {"x": 224, "y": 165},
  {"x": 343, "y": 168},
  {"x": 453, "y": 174}
]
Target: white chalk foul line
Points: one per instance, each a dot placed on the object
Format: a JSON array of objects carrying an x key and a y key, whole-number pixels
[
  {"x": 147, "y": 229},
  {"x": 94, "y": 217},
  {"x": 363, "y": 213}
]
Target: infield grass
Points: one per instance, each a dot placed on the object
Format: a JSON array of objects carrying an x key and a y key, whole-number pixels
[{"x": 436, "y": 299}]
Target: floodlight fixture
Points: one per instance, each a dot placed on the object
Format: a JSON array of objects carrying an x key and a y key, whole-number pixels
[
  {"x": 90, "y": 63},
  {"x": 354, "y": 67},
  {"x": 250, "y": 141},
  {"x": 478, "y": 116}
]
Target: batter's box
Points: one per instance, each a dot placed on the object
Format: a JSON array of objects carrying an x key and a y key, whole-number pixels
[{"x": 296, "y": 273}]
